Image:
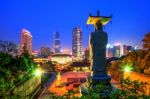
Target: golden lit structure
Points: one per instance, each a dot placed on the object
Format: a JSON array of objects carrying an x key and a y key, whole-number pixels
[
  {"x": 61, "y": 58},
  {"x": 93, "y": 19},
  {"x": 40, "y": 60},
  {"x": 58, "y": 76},
  {"x": 103, "y": 19}
]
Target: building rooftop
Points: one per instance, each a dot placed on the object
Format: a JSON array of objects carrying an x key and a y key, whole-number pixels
[{"x": 61, "y": 55}]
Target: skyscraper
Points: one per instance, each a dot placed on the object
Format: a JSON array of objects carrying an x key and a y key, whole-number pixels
[
  {"x": 26, "y": 41},
  {"x": 109, "y": 51},
  {"x": 87, "y": 54},
  {"x": 77, "y": 43},
  {"x": 126, "y": 49},
  {"x": 57, "y": 47},
  {"x": 45, "y": 51},
  {"x": 117, "y": 50}
]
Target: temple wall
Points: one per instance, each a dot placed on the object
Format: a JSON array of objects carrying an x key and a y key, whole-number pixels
[{"x": 28, "y": 87}]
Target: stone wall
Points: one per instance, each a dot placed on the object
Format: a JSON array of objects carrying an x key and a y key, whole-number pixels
[
  {"x": 140, "y": 77},
  {"x": 28, "y": 87}
]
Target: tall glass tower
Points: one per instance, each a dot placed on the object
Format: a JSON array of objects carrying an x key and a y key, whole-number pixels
[
  {"x": 57, "y": 47},
  {"x": 77, "y": 43}
]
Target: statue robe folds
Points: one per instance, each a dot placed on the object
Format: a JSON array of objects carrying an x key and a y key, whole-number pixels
[{"x": 98, "y": 42}]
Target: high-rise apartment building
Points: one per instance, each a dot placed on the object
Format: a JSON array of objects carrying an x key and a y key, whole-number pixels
[
  {"x": 109, "y": 51},
  {"x": 117, "y": 51},
  {"x": 77, "y": 43},
  {"x": 87, "y": 54},
  {"x": 45, "y": 51},
  {"x": 126, "y": 49},
  {"x": 57, "y": 46},
  {"x": 26, "y": 41}
]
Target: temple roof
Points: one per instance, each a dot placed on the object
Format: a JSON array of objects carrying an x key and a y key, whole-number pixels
[{"x": 93, "y": 19}]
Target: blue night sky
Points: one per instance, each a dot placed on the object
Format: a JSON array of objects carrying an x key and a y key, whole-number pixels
[{"x": 131, "y": 20}]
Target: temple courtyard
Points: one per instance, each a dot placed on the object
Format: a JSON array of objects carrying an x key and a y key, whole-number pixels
[{"x": 58, "y": 85}]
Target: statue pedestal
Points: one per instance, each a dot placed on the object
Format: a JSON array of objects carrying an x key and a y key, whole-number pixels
[
  {"x": 106, "y": 88},
  {"x": 101, "y": 79}
]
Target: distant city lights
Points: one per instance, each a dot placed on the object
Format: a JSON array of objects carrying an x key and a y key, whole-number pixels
[{"x": 109, "y": 46}]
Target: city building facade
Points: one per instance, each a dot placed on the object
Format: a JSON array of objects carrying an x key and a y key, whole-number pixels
[
  {"x": 126, "y": 49},
  {"x": 117, "y": 50},
  {"x": 26, "y": 41},
  {"x": 87, "y": 54},
  {"x": 109, "y": 51},
  {"x": 45, "y": 51},
  {"x": 57, "y": 43},
  {"x": 77, "y": 43}
]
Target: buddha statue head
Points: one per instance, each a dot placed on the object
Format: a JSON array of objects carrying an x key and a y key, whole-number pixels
[{"x": 98, "y": 25}]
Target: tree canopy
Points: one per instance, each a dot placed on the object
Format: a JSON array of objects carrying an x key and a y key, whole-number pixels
[{"x": 13, "y": 70}]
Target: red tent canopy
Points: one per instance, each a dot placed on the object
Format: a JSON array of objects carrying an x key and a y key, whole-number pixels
[{"x": 70, "y": 87}]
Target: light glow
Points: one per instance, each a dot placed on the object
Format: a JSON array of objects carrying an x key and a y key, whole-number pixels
[
  {"x": 109, "y": 46},
  {"x": 127, "y": 68},
  {"x": 117, "y": 44},
  {"x": 38, "y": 72}
]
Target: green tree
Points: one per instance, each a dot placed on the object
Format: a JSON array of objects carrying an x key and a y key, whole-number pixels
[{"x": 13, "y": 70}]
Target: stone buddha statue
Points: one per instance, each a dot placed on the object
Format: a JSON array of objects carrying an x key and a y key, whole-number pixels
[{"x": 97, "y": 42}]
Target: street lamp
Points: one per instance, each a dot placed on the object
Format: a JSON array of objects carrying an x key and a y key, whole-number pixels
[
  {"x": 127, "y": 68},
  {"x": 38, "y": 72},
  {"x": 127, "y": 71}
]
